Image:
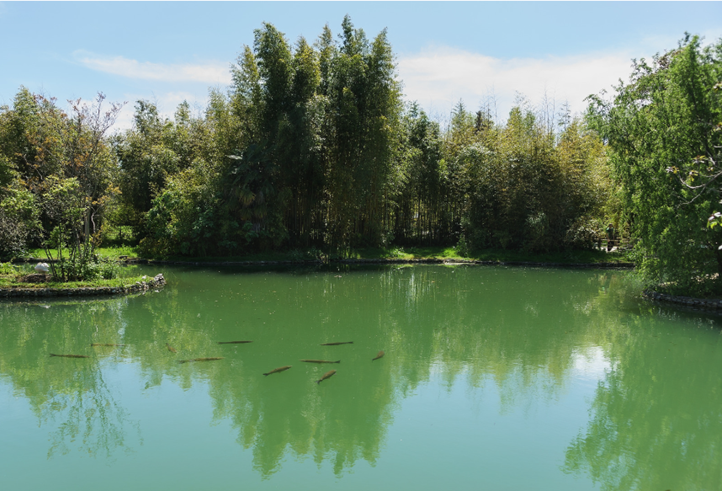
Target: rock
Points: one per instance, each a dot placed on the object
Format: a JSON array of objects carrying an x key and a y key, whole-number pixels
[{"x": 35, "y": 278}]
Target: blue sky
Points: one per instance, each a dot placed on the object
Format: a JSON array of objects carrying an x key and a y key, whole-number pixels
[{"x": 446, "y": 51}]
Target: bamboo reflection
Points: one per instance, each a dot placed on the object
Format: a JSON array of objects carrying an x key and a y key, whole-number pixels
[
  {"x": 488, "y": 335},
  {"x": 521, "y": 332}
]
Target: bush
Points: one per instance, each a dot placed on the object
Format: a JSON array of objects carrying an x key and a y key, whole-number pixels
[
  {"x": 95, "y": 269},
  {"x": 584, "y": 234},
  {"x": 462, "y": 248},
  {"x": 7, "y": 269}
]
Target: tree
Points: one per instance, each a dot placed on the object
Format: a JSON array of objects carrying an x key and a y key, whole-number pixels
[
  {"x": 419, "y": 187},
  {"x": 57, "y": 171},
  {"x": 361, "y": 136},
  {"x": 19, "y": 219},
  {"x": 662, "y": 130},
  {"x": 68, "y": 165}
]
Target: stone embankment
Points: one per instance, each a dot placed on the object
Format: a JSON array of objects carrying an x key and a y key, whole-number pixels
[
  {"x": 139, "y": 286},
  {"x": 694, "y": 303}
]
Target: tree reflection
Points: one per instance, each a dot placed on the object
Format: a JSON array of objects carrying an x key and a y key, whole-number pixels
[
  {"x": 91, "y": 417},
  {"x": 656, "y": 419},
  {"x": 72, "y": 392},
  {"x": 507, "y": 334},
  {"x": 521, "y": 332}
]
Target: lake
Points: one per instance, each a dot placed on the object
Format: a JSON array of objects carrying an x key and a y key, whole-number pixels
[{"x": 493, "y": 378}]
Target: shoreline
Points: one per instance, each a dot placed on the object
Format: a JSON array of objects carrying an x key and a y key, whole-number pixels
[
  {"x": 714, "y": 305},
  {"x": 704, "y": 304},
  {"x": 138, "y": 287},
  {"x": 600, "y": 265}
]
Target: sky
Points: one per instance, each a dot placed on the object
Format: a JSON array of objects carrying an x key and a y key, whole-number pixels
[{"x": 476, "y": 52}]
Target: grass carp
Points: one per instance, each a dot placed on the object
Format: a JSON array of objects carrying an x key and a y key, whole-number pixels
[
  {"x": 325, "y": 376},
  {"x": 337, "y": 343},
  {"x": 378, "y": 355},
  {"x": 201, "y": 359},
  {"x": 70, "y": 356},
  {"x": 321, "y": 361},
  {"x": 279, "y": 369}
]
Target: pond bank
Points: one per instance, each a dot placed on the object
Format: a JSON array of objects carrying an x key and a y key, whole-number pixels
[
  {"x": 603, "y": 265},
  {"x": 139, "y": 286},
  {"x": 695, "y": 303}
]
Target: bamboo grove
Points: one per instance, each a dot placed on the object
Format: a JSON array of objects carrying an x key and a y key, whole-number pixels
[{"x": 312, "y": 146}]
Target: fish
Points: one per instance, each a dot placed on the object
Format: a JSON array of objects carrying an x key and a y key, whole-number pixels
[
  {"x": 105, "y": 344},
  {"x": 337, "y": 343},
  {"x": 378, "y": 355},
  {"x": 201, "y": 359},
  {"x": 326, "y": 375},
  {"x": 279, "y": 369},
  {"x": 234, "y": 342},
  {"x": 321, "y": 361},
  {"x": 170, "y": 348},
  {"x": 70, "y": 356}
]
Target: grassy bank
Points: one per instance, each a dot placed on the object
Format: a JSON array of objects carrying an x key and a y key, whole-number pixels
[
  {"x": 502, "y": 255},
  {"x": 437, "y": 252},
  {"x": 11, "y": 274},
  {"x": 109, "y": 252},
  {"x": 11, "y": 282}
]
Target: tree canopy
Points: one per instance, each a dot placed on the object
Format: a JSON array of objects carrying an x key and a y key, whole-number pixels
[
  {"x": 312, "y": 146},
  {"x": 663, "y": 129}
]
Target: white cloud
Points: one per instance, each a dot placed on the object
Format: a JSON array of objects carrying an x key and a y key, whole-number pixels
[
  {"x": 209, "y": 72},
  {"x": 438, "y": 77}
]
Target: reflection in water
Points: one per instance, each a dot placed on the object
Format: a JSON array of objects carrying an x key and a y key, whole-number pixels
[
  {"x": 656, "y": 419},
  {"x": 68, "y": 390},
  {"x": 90, "y": 415},
  {"x": 524, "y": 330}
]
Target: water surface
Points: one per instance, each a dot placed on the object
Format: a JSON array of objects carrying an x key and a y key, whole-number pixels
[{"x": 493, "y": 378}]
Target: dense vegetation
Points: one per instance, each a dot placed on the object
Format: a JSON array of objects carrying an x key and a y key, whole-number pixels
[
  {"x": 664, "y": 130},
  {"x": 313, "y": 148}
]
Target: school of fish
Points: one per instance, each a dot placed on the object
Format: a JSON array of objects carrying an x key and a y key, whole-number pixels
[{"x": 325, "y": 376}]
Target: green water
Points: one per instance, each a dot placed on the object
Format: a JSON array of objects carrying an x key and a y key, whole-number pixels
[{"x": 493, "y": 378}]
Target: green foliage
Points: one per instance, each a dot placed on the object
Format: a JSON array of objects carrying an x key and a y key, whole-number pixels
[
  {"x": 19, "y": 220},
  {"x": 364, "y": 112},
  {"x": 663, "y": 129},
  {"x": 182, "y": 216},
  {"x": 530, "y": 188},
  {"x": 421, "y": 195},
  {"x": 462, "y": 247},
  {"x": 96, "y": 268},
  {"x": 74, "y": 194},
  {"x": 310, "y": 149},
  {"x": 7, "y": 269},
  {"x": 156, "y": 149}
]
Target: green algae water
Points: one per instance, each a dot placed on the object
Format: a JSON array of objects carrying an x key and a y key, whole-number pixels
[{"x": 492, "y": 378}]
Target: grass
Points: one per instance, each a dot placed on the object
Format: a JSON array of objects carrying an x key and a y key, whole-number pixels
[
  {"x": 426, "y": 252},
  {"x": 502, "y": 255},
  {"x": 110, "y": 252},
  {"x": 580, "y": 256},
  {"x": 11, "y": 282},
  {"x": 9, "y": 275}
]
